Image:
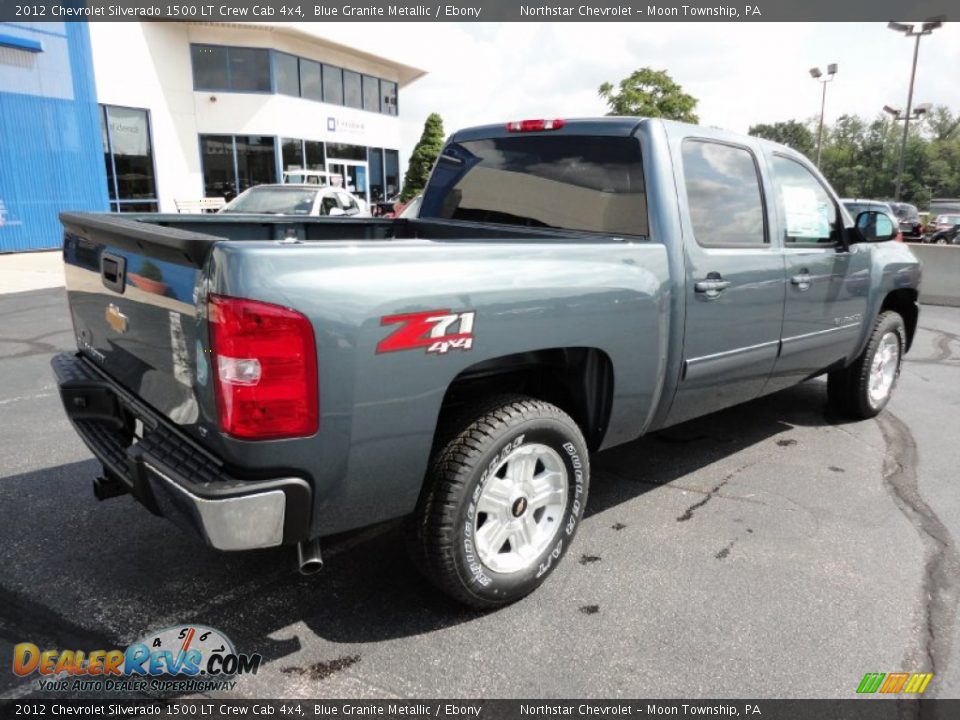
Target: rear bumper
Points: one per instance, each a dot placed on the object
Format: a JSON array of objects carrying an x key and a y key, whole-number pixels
[{"x": 171, "y": 474}]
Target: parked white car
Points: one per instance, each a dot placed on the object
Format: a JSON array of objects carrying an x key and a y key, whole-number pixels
[
  {"x": 305, "y": 200},
  {"x": 321, "y": 178}
]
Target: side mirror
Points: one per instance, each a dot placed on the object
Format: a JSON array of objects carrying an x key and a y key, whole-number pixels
[
  {"x": 875, "y": 226},
  {"x": 336, "y": 212}
]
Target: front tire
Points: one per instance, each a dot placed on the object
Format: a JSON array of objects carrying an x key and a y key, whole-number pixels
[
  {"x": 863, "y": 389},
  {"x": 502, "y": 502}
]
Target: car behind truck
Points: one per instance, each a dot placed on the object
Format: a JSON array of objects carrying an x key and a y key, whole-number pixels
[{"x": 567, "y": 286}]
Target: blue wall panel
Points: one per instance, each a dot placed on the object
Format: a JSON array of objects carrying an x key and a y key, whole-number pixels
[{"x": 51, "y": 150}]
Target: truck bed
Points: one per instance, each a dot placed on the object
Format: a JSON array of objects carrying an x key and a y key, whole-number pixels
[{"x": 189, "y": 238}]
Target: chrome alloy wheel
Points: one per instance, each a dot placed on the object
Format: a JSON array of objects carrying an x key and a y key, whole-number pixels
[
  {"x": 884, "y": 368},
  {"x": 520, "y": 508}
]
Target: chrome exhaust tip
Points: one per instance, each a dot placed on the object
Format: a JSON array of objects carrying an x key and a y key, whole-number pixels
[{"x": 309, "y": 560}]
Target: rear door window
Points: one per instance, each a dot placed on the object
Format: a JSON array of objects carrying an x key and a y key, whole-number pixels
[
  {"x": 581, "y": 183},
  {"x": 723, "y": 194}
]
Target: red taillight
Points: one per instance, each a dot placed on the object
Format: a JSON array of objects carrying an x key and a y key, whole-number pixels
[
  {"x": 899, "y": 237},
  {"x": 264, "y": 366},
  {"x": 534, "y": 125}
]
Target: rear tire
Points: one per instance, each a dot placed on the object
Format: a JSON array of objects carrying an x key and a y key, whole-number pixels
[
  {"x": 502, "y": 502},
  {"x": 863, "y": 389}
]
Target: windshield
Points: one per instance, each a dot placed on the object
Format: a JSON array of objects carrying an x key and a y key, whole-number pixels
[
  {"x": 949, "y": 219},
  {"x": 856, "y": 208},
  {"x": 273, "y": 201},
  {"x": 905, "y": 211}
]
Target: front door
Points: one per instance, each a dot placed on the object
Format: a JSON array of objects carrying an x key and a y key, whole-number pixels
[
  {"x": 827, "y": 284},
  {"x": 353, "y": 176},
  {"x": 734, "y": 279}
]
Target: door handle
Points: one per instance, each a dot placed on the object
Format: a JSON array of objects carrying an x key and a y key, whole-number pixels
[
  {"x": 712, "y": 286},
  {"x": 802, "y": 281}
]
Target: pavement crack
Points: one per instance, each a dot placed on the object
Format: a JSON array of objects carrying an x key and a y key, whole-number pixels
[
  {"x": 688, "y": 513},
  {"x": 943, "y": 353},
  {"x": 941, "y": 580}
]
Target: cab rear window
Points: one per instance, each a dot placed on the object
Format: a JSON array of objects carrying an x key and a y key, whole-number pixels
[{"x": 580, "y": 183}]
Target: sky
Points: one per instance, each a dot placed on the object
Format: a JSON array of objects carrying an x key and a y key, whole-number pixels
[{"x": 742, "y": 73}]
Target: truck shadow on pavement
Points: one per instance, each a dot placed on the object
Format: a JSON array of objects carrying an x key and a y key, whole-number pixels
[{"x": 78, "y": 573}]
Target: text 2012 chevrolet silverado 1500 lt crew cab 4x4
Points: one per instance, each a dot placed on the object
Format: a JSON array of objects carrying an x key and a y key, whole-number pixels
[{"x": 567, "y": 287}]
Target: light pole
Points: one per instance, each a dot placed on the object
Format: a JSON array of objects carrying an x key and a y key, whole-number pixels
[
  {"x": 819, "y": 77},
  {"x": 897, "y": 114},
  {"x": 910, "y": 30}
]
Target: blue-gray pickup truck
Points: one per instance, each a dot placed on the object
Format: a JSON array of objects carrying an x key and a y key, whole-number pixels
[{"x": 566, "y": 287}]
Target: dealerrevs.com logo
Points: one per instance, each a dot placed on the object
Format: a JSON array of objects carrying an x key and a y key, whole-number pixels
[{"x": 190, "y": 658}]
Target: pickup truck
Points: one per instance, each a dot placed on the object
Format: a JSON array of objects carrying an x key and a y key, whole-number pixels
[{"x": 567, "y": 286}]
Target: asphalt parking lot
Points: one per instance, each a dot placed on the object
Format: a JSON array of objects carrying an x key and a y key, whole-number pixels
[{"x": 766, "y": 551}]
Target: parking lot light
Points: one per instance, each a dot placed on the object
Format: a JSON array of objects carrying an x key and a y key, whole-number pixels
[
  {"x": 911, "y": 30},
  {"x": 817, "y": 75}
]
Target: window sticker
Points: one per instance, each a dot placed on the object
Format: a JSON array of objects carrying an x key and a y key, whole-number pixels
[{"x": 807, "y": 216}]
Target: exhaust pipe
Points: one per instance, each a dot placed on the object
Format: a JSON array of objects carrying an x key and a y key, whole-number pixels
[{"x": 309, "y": 559}]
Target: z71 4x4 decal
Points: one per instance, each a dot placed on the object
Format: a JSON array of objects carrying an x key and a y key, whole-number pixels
[{"x": 439, "y": 331}]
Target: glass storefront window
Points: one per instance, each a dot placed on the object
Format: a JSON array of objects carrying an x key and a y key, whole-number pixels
[
  {"x": 342, "y": 151},
  {"x": 291, "y": 152},
  {"x": 256, "y": 160},
  {"x": 209, "y": 67},
  {"x": 352, "y": 90},
  {"x": 375, "y": 161},
  {"x": 219, "y": 171},
  {"x": 108, "y": 159},
  {"x": 315, "y": 156},
  {"x": 128, "y": 153},
  {"x": 332, "y": 85},
  {"x": 391, "y": 161},
  {"x": 231, "y": 68},
  {"x": 388, "y": 91},
  {"x": 371, "y": 93},
  {"x": 136, "y": 207},
  {"x": 286, "y": 70},
  {"x": 249, "y": 69},
  {"x": 311, "y": 86},
  {"x": 239, "y": 69}
]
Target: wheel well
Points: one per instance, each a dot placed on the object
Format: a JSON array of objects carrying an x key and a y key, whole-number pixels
[
  {"x": 577, "y": 380},
  {"x": 904, "y": 302}
]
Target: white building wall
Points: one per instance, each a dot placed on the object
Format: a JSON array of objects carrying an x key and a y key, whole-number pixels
[{"x": 147, "y": 65}]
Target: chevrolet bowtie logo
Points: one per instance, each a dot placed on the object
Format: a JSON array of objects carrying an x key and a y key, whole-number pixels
[{"x": 116, "y": 319}]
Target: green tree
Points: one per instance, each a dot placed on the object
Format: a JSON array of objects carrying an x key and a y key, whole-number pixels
[
  {"x": 792, "y": 133},
  {"x": 942, "y": 124},
  {"x": 650, "y": 93},
  {"x": 860, "y": 157},
  {"x": 423, "y": 157}
]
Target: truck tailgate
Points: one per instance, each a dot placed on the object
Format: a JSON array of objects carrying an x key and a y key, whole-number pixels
[{"x": 132, "y": 292}]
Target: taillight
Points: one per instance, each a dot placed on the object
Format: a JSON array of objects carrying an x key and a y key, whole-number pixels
[
  {"x": 899, "y": 237},
  {"x": 264, "y": 368},
  {"x": 534, "y": 125}
]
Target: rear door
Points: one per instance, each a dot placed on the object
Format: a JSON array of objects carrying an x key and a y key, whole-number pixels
[
  {"x": 734, "y": 284},
  {"x": 827, "y": 284}
]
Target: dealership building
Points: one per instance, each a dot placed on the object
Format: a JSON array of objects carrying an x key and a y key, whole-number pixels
[{"x": 151, "y": 117}]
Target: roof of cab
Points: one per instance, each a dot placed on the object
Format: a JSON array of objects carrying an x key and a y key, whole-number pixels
[{"x": 612, "y": 126}]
